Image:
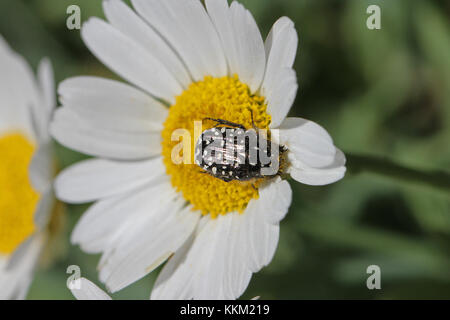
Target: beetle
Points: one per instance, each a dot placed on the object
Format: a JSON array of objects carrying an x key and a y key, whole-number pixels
[{"x": 229, "y": 151}]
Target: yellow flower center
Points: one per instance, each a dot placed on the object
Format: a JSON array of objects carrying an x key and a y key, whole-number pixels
[
  {"x": 220, "y": 98},
  {"x": 18, "y": 199}
]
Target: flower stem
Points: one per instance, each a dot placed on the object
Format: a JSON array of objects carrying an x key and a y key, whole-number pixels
[{"x": 437, "y": 179}]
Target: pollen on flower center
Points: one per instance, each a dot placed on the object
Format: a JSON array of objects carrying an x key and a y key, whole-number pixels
[
  {"x": 220, "y": 98},
  {"x": 18, "y": 199}
]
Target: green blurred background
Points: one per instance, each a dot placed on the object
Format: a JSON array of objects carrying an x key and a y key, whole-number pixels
[{"x": 378, "y": 92}]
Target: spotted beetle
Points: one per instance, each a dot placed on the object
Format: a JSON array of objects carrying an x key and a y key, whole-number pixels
[{"x": 231, "y": 152}]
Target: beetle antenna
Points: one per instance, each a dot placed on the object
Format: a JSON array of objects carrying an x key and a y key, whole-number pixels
[{"x": 253, "y": 122}]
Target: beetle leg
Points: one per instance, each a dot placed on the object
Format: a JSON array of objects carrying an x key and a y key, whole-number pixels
[{"x": 227, "y": 123}]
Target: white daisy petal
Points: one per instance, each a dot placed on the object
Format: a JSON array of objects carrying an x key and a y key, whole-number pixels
[
  {"x": 109, "y": 219},
  {"x": 47, "y": 85},
  {"x": 238, "y": 273},
  {"x": 188, "y": 28},
  {"x": 129, "y": 59},
  {"x": 209, "y": 282},
  {"x": 219, "y": 11},
  {"x": 319, "y": 176},
  {"x": 281, "y": 96},
  {"x": 123, "y": 18},
  {"x": 307, "y": 142},
  {"x": 95, "y": 179},
  {"x": 164, "y": 232},
  {"x": 88, "y": 291},
  {"x": 261, "y": 236},
  {"x": 18, "y": 91},
  {"x": 281, "y": 48},
  {"x": 21, "y": 252},
  {"x": 241, "y": 40},
  {"x": 75, "y": 132},
  {"x": 44, "y": 208},
  {"x": 16, "y": 276},
  {"x": 42, "y": 112},
  {"x": 276, "y": 197},
  {"x": 112, "y": 105},
  {"x": 41, "y": 167}
]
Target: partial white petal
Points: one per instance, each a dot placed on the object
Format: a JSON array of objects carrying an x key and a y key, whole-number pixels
[
  {"x": 313, "y": 158},
  {"x": 281, "y": 96},
  {"x": 308, "y": 142},
  {"x": 189, "y": 30},
  {"x": 241, "y": 40},
  {"x": 43, "y": 110},
  {"x": 19, "y": 92},
  {"x": 238, "y": 273},
  {"x": 261, "y": 235},
  {"x": 276, "y": 198},
  {"x": 281, "y": 48},
  {"x": 41, "y": 167},
  {"x": 74, "y": 132},
  {"x": 112, "y": 105},
  {"x": 111, "y": 219},
  {"x": 162, "y": 234},
  {"x": 220, "y": 14},
  {"x": 97, "y": 179},
  {"x": 123, "y": 18},
  {"x": 42, "y": 214},
  {"x": 16, "y": 277},
  {"x": 16, "y": 258},
  {"x": 88, "y": 291},
  {"x": 47, "y": 85},
  {"x": 129, "y": 59},
  {"x": 174, "y": 282},
  {"x": 319, "y": 176},
  {"x": 209, "y": 282}
]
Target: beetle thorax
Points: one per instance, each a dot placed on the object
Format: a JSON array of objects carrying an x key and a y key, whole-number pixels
[{"x": 235, "y": 154}]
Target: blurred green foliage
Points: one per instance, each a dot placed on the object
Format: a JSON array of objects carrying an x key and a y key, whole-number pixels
[{"x": 379, "y": 92}]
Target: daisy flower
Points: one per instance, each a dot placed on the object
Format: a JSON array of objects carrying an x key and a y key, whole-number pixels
[
  {"x": 26, "y": 168},
  {"x": 185, "y": 63}
]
